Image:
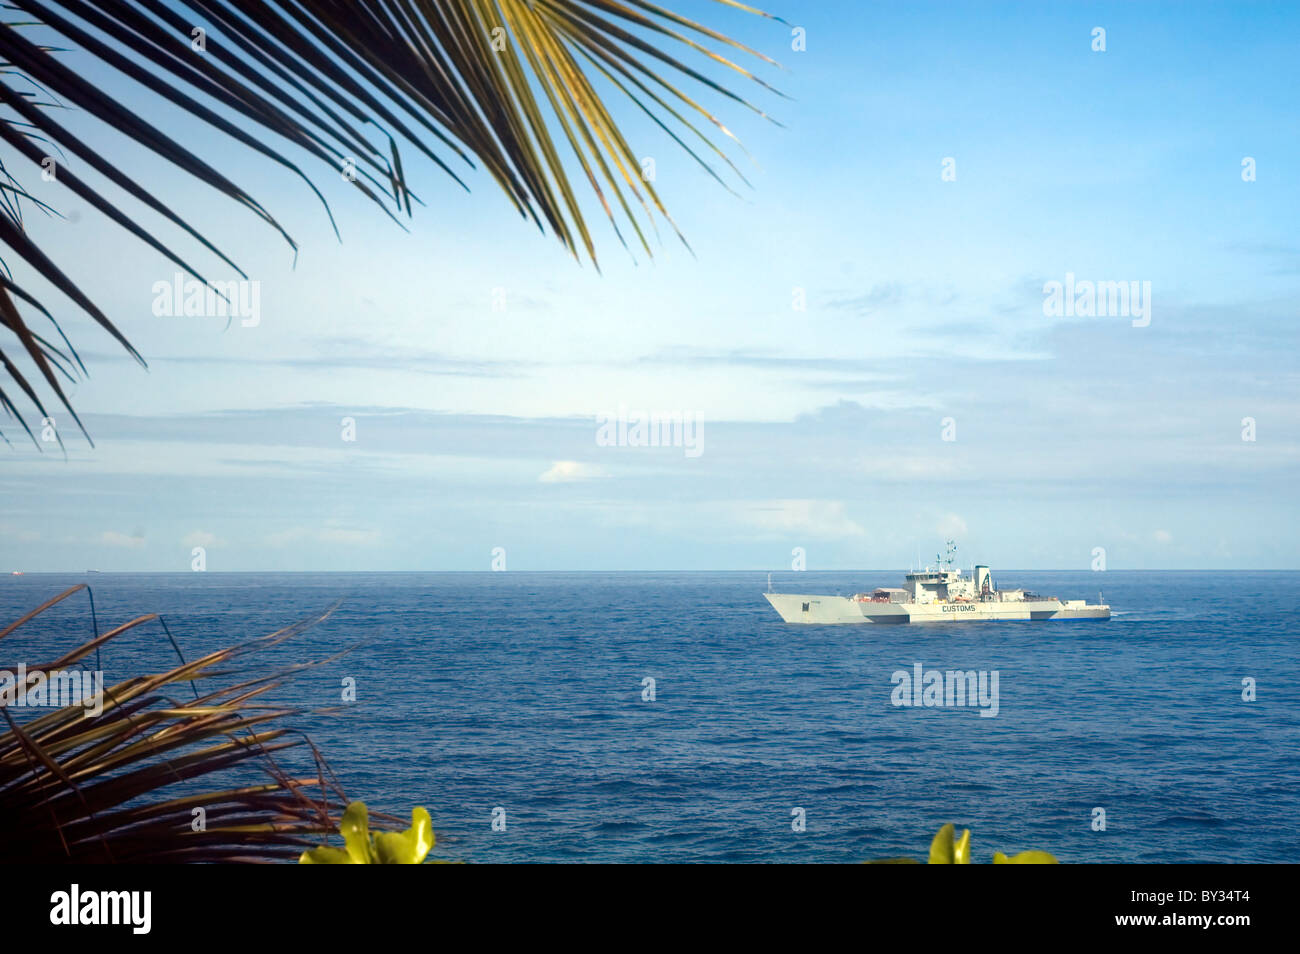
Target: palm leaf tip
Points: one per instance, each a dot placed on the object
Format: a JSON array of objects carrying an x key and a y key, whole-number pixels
[{"x": 508, "y": 84}]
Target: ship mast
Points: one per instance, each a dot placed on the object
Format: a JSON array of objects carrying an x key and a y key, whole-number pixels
[{"x": 946, "y": 562}]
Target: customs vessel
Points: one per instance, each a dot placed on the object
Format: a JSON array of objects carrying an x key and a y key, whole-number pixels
[{"x": 938, "y": 594}]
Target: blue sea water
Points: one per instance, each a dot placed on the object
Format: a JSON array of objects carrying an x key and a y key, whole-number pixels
[{"x": 524, "y": 691}]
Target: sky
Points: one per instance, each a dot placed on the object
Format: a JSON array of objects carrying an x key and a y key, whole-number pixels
[{"x": 860, "y": 339}]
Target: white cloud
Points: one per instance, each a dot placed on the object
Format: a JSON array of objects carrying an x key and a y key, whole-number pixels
[
  {"x": 199, "y": 538},
  {"x": 1162, "y": 536},
  {"x": 333, "y": 535},
  {"x": 951, "y": 526},
  {"x": 114, "y": 539},
  {"x": 817, "y": 519},
  {"x": 565, "y": 471}
]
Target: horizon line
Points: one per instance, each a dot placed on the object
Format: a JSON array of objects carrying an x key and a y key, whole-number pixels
[{"x": 1208, "y": 569}]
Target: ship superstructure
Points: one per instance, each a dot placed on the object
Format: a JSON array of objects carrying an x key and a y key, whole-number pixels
[{"x": 935, "y": 594}]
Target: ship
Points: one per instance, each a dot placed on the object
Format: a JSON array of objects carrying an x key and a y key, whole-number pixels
[{"x": 933, "y": 595}]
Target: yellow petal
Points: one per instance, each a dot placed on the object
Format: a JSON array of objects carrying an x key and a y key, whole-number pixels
[
  {"x": 355, "y": 829},
  {"x": 408, "y": 847},
  {"x": 1025, "y": 858},
  {"x": 941, "y": 847},
  {"x": 961, "y": 851},
  {"x": 325, "y": 855}
]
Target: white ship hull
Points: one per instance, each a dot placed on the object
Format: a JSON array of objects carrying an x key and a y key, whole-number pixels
[{"x": 825, "y": 610}]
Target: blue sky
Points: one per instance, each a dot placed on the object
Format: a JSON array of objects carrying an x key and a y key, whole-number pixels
[{"x": 821, "y": 428}]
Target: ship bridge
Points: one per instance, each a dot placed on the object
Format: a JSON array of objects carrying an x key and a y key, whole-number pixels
[
  {"x": 927, "y": 586},
  {"x": 945, "y": 583}
]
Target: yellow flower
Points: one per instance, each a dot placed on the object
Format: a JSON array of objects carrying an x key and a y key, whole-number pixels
[
  {"x": 383, "y": 848},
  {"x": 947, "y": 850}
]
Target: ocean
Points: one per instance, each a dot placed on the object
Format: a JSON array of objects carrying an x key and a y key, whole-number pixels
[{"x": 526, "y": 697}]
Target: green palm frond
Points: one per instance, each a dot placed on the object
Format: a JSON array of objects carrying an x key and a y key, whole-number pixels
[
  {"x": 82, "y": 787},
  {"x": 511, "y": 85}
]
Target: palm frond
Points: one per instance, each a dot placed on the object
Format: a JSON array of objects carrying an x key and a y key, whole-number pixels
[
  {"x": 509, "y": 84},
  {"x": 83, "y": 787}
]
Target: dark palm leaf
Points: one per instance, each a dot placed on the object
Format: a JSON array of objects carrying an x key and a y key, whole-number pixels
[
  {"x": 86, "y": 788},
  {"x": 343, "y": 81}
]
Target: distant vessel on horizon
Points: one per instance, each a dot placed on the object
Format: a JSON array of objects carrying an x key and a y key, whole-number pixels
[{"x": 933, "y": 595}]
